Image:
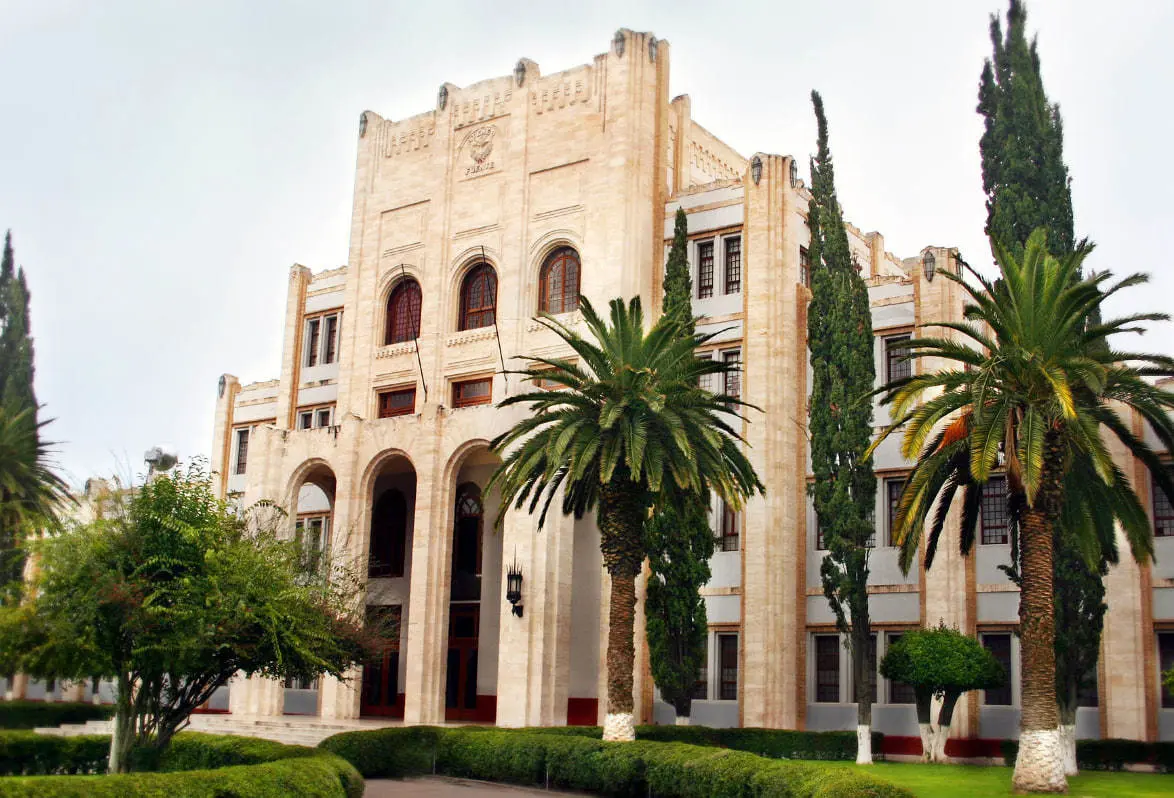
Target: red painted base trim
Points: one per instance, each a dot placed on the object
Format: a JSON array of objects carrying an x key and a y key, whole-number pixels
[
  {"x": 582, "y": 711},
  {"x": 486, "y": 711},
  {"x": 972, "y": 748},
  {"x": 396, "y": 711},
  {"x": 196, "y": 711}
]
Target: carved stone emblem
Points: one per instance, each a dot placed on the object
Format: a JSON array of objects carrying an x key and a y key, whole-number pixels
[{"x": 479, "y": 143}]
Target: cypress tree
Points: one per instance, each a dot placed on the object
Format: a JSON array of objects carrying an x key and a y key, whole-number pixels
[
  {"x": 678, "y": 540},
  {"x": 839, "y": 335},
  {"x": 16, "y": 345},
  {"x": 1028, "y": 186}
]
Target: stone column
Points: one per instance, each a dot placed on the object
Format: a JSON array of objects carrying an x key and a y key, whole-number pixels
[
  {"x": 256, "y": 695},
  {"x": 291, "y": 353},
  {"x": 534, "y": 666}
]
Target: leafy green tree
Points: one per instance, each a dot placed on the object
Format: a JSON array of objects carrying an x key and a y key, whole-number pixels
[
  {"x": 628, "y": 420},
  {"x": 839, "y": 335},
  {"x": 1034, "y": 389},
  {"x": 1028, "y": 186},
  {"x": 679, "y": 540},
  {"x": 170, "y": 593},
  {"x": 940, "y": 663}
]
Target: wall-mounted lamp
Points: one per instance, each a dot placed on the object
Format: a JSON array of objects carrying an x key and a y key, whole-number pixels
[
  {"x": 513, "y": 587},
  {"x": 929, "y": 265},
  {"x": 756, "y": 169}
]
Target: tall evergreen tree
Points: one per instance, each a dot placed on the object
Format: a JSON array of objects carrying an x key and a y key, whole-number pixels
[
  {"x": 16, "y": 345},
  {"x": 679, "y": 540},
  {"x": 839, "y": 335},
  {"x": 1028, "y": 186}
]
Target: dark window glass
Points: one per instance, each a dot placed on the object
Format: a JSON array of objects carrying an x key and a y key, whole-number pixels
[
  {"x": 701, "y": 686},
  {"x": 331, "y": 339},
  {"x": 479, "y": 298},
  {"x": 705, "y": 270},
  {"x": 999, "y": 644},
  {"x": 827, "y": 669},
  {"x": 728, "y": 666},
  {"x": 324, "y": 417},
  {"x": 994, "y": 511},
  {"x": 893, "y": 488},
  {"x": 466, "y": 548},
  {"x": 733, "y": 265},
  {"x": 898, "y": 366},
  {"x": 313, "y": 340},
  {"x": 729, "y": 537},
  {"x": 242, "y": 450},
  {"x": 1163, "y": 513},
  {"x": 403, "y": 313},
  {"x": 899, "y": 692},
  {"x": 397, "y": 403},
  {"x": 1166, "y": 658},
  {"x": 472, "y": 392},
  {"x": 559, "y": 291},
  {"x": 389, "y": 531},
  {"x": 804, "y": 266},
  {"x": 733, "y": 377},
  {"x": 820, "y": 545},
  {"x": 306, "y": 419}
]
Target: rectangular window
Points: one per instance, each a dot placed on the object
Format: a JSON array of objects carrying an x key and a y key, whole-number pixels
[
  {"x": 705, "y": 382},
  {"x": 705, "y": 270},
  {"x": 727, "y": 652},
  {"x": 899, "y": 692},
  {"x": 893, "y": 489},
  {"x": 999, "y": 644},
  {"x": 701, "y": 686},
  {"x": 330, "y": 346},
  {"x": 820, "y": 545},
  {"x": 733, "y": 377},
  {"x": 827, "y": 669},
  {"x": 1163, "y": 513},
  {"x": 472, "y": 392},
  {"x": 733, "y": 283},
  {"x": 397, "y": 403},
  {"x": 323, "y": 417},
  {"x": 1166, "y": 658},
  {"x": 898, "y": 366},
  {"x": 994, "y": 513},
  {"x": 729, "y": 531},
  {"x": 804, "y": 266},
  {"x": 312, "y": 533},
  {"x": 313, "y": 339},
  {"x": 242, "y": 450},
  {"x": 306, "y": 419}
]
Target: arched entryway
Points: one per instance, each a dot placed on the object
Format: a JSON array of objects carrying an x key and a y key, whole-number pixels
[
  {"x": 470, "y": 689},
  {"x": 313, "y": 522},
  {"x": 389, "y": 566}
]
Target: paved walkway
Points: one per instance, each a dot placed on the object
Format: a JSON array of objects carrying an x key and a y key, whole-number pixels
[{"x": 441, "y": 787}]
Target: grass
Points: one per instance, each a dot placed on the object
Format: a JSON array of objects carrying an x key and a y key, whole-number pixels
[{"x": 969, "y": 781}]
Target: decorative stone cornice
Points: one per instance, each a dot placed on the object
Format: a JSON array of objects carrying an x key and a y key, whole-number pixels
[
  {"x": 394, "y": 350},
  {"x": 469, "y": 336},
  {"x": 572, "y": 320}
]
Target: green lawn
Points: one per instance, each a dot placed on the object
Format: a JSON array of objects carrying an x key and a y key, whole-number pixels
[{"x": 967, "y": 781}]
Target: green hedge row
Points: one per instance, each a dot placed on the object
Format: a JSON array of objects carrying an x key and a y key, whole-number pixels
[
  {"x": 775, "y": 743},
  {"x": 1110, "y": 754},
  {"x": 194, "y": 766},
  {"x": 31, "y": 714},
  {"x": 573, "y": 761}
]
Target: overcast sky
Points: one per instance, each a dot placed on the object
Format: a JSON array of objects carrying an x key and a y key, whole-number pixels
[{"x": 162, "y": 164}]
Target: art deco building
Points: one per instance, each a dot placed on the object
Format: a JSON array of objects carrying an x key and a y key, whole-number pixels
[{"x": 513, "y": 196}]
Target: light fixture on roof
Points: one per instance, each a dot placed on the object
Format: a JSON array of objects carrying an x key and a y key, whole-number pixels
[
  {"x": 619, "y": 40},
  {"x": 794, "y": 173},
  {"x": 929, "y": 265},
  {"x": 442, "y": 97},
  {"x": 756, "y": 169},
  {"x": 652, "y": 45},
  {"x": 520, "y": 72}
]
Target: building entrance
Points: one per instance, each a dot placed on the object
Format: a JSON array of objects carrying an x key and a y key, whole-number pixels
[
  {"x": 381, "y": 695},
  {"x": 460, "y": 693}
]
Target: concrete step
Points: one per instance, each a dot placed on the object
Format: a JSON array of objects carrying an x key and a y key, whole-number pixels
[{"x": 291, "y": 730}]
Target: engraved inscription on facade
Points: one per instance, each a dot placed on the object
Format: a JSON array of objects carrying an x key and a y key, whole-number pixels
[{"x": 475, "y": 152}]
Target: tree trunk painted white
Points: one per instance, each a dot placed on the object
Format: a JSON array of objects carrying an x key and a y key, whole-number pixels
[
  {"x": 863, "y": 745},
  {"x": 1068, "y": 740},
  {"x": 619, "y": 727},
  {"x": 1039, "y": 765},
  {"x": 939, "y": 745},
  {"x": 926, "y": 732},
  {"x": 681, "y": 720}
]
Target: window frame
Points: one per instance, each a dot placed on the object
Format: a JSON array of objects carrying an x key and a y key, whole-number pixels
[
  {"x": 392, "y": 410},
  {"x": 701, "y": 683},
  {"x": 1163, "y": 523},
  {"x": 891, "y": 506},
  {"x": 818, "y": 684},
  {"x": 1165, "y": 657},
  {"x": 458, "y": 402},
  {"x": 729, "y": 529},
  {"x": 321, "y": 337},
  {"x": 898, "y": 364},
  {"x": 560, "y": 258},
  {"x": 733, "y": 378},
  {"x": 892, "y": 686},
  {"x": 732, "y": 264},
  {"x": 1010, "y": 666},
  {"x": 727, "y": 690},
  {"x": 986, "y": 527},
  {"x": 805, "y": 266},
  {"x": 485, "y": 315},
  {"x": 241, "y": 450},
  {"x": 314, "y": 412},
  {"x": 705, "y": 268},
  {"x": 400, "y": 295}
]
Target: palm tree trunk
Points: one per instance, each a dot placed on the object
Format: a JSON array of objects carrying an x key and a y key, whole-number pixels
[
  {"x": 621, "y": 528},
  {"x": 1039, "y": 766}
]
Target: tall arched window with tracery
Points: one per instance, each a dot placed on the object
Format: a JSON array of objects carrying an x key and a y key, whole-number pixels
[
  {"x": 403, "y": 313},
  {"x": 559, "y": 280},
  {"x": 479, "y": 297}
]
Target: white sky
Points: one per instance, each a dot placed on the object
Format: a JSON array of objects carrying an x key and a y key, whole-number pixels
[{"x": 162, "y": 164}]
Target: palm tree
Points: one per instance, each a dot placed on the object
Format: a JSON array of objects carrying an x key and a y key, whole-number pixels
[
  {"x": 1036, "y": 387},
  {"x": 627, "y": 424},
  {"x": 30, "y": 491}
]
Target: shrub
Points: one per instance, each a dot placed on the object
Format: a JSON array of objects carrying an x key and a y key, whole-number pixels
[
  {"x": 195, "y": 766},
  {"x": 571, "y": 759},
  {"x": 31, "y": 714}
]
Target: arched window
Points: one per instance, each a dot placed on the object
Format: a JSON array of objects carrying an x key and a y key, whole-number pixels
[
  {"x": 479, "y": 297},
  {"x": 466, "y": 548},
  {"x": 389, "y": 532},
  {"x": 559, "y": 291},
  {"x": 403, "y": 313}
]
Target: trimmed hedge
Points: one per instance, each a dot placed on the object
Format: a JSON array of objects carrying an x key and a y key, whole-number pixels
[
  {"x": 194, "y": 766},
  {"x": 1110, "y": 754},
  {"x": 775, "y": 743},
  {"x": 31, "y": 714},
  {"x": 574, "y": 761}
]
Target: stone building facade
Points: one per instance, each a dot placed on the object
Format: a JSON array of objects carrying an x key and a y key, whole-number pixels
[{"x": 515, "y": 195}]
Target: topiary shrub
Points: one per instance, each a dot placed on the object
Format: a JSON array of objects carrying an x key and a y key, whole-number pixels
[
  {"x": 27, "y": 753},
  {"x": 388, "y": 753},
  {"x": 33, "y": 714}
]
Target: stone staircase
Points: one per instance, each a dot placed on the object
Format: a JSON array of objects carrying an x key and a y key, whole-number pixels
[{"x": 290, "y": 729}]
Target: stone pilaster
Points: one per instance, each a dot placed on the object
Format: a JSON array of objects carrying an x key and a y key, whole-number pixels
[
  {"x": 226, "y": 392},
  {"x": 291, "y": 352}
]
